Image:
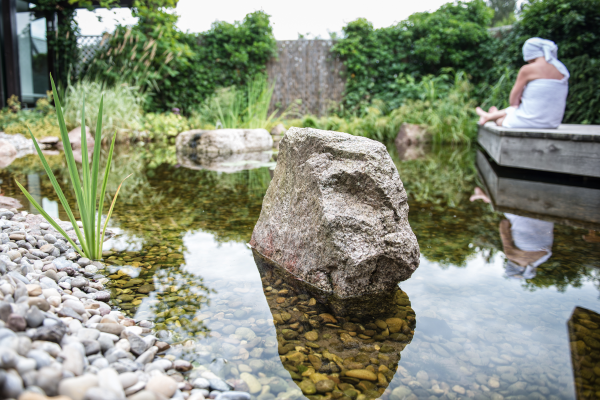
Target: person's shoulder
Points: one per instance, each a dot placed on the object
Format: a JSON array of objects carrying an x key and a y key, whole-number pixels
[
  {"x": 529, "y": 72},
  {"x": 529, "y": 69}
]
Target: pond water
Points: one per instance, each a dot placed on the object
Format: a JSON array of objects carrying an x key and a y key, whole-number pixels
[{"x": 467, "y": 324}]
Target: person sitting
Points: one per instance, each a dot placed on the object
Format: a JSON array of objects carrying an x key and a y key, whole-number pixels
[{"x": 539, "y": 96}]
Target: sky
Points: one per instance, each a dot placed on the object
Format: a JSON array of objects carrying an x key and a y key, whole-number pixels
[{"x": 313, "y": 17}]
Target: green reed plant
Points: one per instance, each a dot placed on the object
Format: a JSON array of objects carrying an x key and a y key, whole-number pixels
[
  {"x": 243, "y": 108},
  {"x": 85, "y": 188}
]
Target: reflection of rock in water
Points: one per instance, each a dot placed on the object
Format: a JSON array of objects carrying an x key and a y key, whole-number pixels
[
  {"x": 584, "y": 336},
  {"x": 332, "y": 355},
  {"x": 412, "y": 142},
  {"x": 224, "y": 163},
  {"x": 368, "y": 305}
]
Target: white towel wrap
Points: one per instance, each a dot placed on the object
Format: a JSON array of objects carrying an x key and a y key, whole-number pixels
[{"x": 543, "y": 101}]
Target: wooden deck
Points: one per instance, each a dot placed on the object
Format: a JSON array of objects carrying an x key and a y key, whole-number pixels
[
  {"x": 564, "y": 199},
  {"x": 570, "y": 149}
]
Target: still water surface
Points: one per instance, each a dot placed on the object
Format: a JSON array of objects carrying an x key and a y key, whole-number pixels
[{"x": 466, "y": 325}]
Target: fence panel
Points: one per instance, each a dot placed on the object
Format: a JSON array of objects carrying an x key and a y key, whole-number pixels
[{"x": 306, "y": 70}]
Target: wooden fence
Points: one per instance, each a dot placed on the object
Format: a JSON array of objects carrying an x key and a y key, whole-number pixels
[{"x": 306, "y": 70}]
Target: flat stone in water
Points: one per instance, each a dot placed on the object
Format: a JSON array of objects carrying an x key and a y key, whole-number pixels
[
  {"x": 219, "y": 384},
  {"x": 233, "y": 395}
]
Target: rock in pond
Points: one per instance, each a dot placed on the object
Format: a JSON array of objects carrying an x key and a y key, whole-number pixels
[
  {"x": 227, "y": 163},
  {"x": 335, "y": 215},
  {"x": 224, "y": 141}
]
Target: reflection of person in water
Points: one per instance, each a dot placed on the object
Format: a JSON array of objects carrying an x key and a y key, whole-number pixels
[{"x": 527, "y": 242}]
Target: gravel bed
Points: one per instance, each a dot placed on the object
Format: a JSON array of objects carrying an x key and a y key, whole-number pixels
[{"x": 60, "y": 339}]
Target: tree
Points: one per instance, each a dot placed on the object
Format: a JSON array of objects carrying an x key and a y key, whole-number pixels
[{"x": 504, "y": 11}]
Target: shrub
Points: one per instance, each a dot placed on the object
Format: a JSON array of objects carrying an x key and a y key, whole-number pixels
[
  {"x": 444, "y": 104},
  {"x": 164, "y": 127},
  {"x": 379, "y": 61},
  {"x": 42, "y": 119},
  {"x": 122, "y": 107},
  {"x": 182, "y": 70}
]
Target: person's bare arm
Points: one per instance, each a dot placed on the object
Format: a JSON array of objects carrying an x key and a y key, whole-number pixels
[{"x": 524, "y": 77}]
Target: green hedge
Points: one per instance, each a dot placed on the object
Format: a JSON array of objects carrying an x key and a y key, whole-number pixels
[
  {"x": 384, "y": 64},
  {"x": 177, "y": 69},
  {"x": 378, "y": 61}
]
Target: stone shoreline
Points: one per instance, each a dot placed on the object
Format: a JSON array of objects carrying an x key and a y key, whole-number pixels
[{"x": 60, "y": 339}]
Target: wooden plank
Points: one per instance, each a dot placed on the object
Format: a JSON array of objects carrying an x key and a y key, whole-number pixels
[
  {"x": 568, "y": 157},
  {"x": 490, "y": 142},
  {"x": 556, "y": 202},
  {"x": 570, "y": 149}
]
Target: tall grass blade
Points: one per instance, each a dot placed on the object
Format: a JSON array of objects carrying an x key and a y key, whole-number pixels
[
  {"x": 46, "y": 216},
  {"x": 95, "y": 171},
  {"x": 73, "y": 173},
  {"x": 59, "y": 192},
  {"x": 103, "y": 192},
  {"x": 112, "y": 206}
]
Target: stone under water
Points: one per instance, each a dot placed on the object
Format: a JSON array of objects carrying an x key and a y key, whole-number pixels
[
  {"x": 335, "y": 216},
  {"x": 223, "y": 141}
]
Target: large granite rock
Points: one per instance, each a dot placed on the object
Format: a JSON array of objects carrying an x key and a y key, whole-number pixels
[
  {"x": 224, "y": 141},
  {"x": 335, "y": 215}
]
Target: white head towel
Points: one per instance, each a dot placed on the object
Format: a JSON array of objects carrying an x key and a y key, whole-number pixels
[{"x": 538, "y": 47}]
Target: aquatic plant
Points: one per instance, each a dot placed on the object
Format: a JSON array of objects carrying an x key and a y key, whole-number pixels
[{"x": 85, "y": 189}]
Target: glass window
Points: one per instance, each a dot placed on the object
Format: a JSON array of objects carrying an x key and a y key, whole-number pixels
[{"x": 33, "y": 53}]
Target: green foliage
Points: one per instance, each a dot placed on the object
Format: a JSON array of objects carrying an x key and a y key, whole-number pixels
[
  {"x": 164, "y": 127},
  {"x": 42, "y": 119},
  {"x": 378, "y": 61},
  {"x": 583, "y": 103},
  {"x": 497, "y": 94},
  {"x": 504, "y": 12},
  {"x": 443, "y": 103},
  {"x": 122, "y": 108},
  {"x": 575, "y": 27},
  {"x": 246, "y": 107},
  {"x": 85, "y": 188},
  {"x": 182, "y": 70}
]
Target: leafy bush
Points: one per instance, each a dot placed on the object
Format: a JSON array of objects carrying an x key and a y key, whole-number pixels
[
  {"x": 182, "y": 70},
  {"x": 378, "y": 61},
  {"x": 575, "y": 27},
  {"x": 444, "y": 104},
  {"x": 164, "y": 127},
  {"x": 122, "y": 107},
  {"x": 41, "y": 120},
  {"x": 245, "y": 107},
  {"x": 583, "y": 103}
]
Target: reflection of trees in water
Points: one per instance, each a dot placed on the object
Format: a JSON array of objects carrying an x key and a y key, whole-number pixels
[
  {"x": 444, "y": 177},
  {"x": 183, "y": 200}
]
